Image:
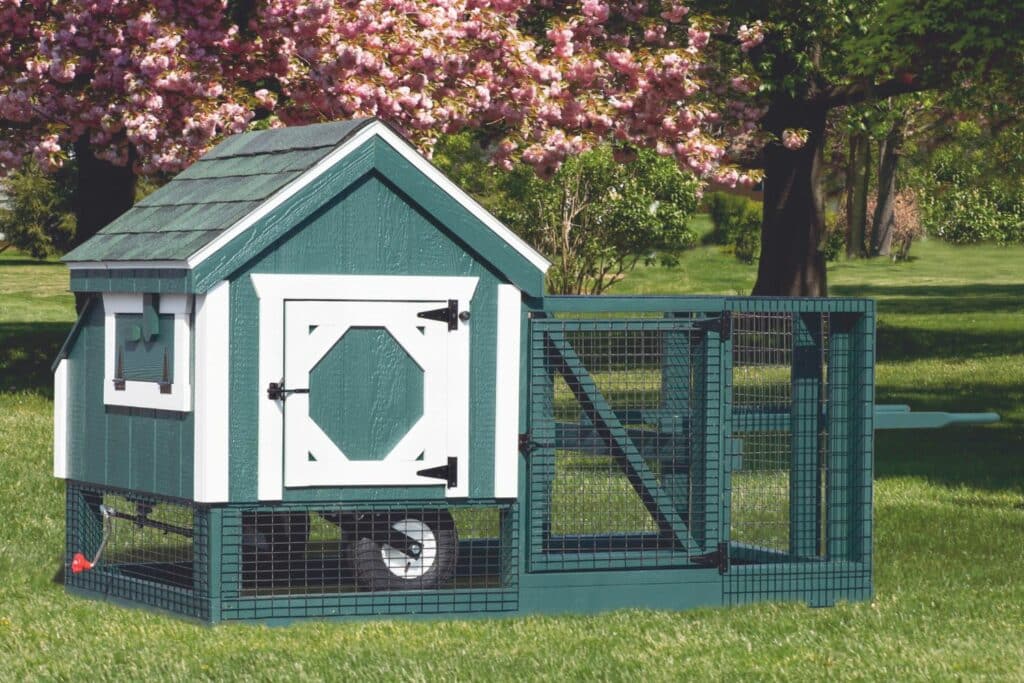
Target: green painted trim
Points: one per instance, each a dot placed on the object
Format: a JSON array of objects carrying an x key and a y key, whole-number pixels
[
  {"x": 902, "y": 417},
  {"x": 72, "y": 337},
  {"x": 804, "y": 475},
  {"x": 132, "y": 280}
]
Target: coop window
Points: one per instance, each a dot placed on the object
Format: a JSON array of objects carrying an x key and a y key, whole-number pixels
[{"x": 147, "y": 351}]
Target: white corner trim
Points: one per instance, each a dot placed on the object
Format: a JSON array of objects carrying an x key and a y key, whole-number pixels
[
  {"x": 60, "y": 420},
  {"x": 273, "y": 290},
  {"x": 147, "y": 394},
  {"x": 212, "y": 373},
  {"x": 403, "y": 148},
  {"x": 506, "y": 391}
]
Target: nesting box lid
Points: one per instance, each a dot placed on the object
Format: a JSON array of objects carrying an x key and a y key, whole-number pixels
[{"x": 248, "y": 182}]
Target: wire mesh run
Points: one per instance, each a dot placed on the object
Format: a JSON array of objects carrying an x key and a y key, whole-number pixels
[
  {"x": 801, "y": 398},
  {"x": 618, "y": 466},
  {"x": 144, "y": 549},
  {"x": 292, "y": 561}
]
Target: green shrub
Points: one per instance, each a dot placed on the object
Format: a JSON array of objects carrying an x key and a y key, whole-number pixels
[
  {"x": 833, "y": 243},
  {"x": 737, "y": 224}
]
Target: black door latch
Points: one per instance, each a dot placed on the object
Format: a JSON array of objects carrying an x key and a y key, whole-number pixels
[{"x": 277, "y": 392}]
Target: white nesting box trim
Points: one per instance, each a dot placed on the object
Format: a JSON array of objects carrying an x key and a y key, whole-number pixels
[
  {"x": 147, "y": 394},
  {"x": 506, "y": 390},
  {"x": 212, "y": 375},
  {"x": 60, "y": 420}
]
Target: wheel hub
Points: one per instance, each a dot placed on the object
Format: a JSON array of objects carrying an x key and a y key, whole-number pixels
[{"x": 420, "y": 554}]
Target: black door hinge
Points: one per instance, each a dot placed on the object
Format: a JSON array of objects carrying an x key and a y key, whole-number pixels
[
  {"x": 719, "y": 558},
  {"x": 449, "y": 472},
  {"x": 449, "y": 314},
  {"x": 721, "y": 324},
  {"x": 525, "y": 444},
  {"x": 277, "y": 392}
]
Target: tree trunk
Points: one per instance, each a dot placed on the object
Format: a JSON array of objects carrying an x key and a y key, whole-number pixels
[
  {"x": 103, "y": 192},
  {"x": 884, "y": 221},
  {"x": 857, "y": 178},
  {"x": 793, "y": 219}
]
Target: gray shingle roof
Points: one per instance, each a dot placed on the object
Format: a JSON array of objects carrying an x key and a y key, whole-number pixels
[{"x": 226, "y": 184}]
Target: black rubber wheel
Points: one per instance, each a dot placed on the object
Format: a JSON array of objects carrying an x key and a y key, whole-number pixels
[
  {"x": 416, "y": 549},
  {"x": 273, "y": 547}
]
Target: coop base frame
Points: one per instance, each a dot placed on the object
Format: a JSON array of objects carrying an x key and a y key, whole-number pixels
[
  {"x": 678, "y": 459},
  {"x": 817, "y": 584}
]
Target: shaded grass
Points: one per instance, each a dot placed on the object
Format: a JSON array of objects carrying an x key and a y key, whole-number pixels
[{"x": 949, "y": 527}]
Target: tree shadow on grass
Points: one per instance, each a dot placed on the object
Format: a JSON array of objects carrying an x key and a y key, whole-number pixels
[
  {"x": 27, "y": 351},
  {"x": 938, "y": 299},
  {"x": 989, "y": 457},
  {"x": 899, "y": 343}
]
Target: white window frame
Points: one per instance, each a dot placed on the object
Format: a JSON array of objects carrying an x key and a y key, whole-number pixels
[
  {"x": 273, "y": 290},
  {"x": 138, "y": 394}
]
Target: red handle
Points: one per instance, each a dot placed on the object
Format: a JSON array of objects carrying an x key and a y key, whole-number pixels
[{"x": 80, "y": 564}]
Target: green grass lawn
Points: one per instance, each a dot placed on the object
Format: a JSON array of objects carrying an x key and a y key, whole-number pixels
[{"x": 949, "y": 522}]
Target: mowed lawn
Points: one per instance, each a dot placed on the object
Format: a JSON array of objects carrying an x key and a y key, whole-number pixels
[{"x": 949, "y": 518}]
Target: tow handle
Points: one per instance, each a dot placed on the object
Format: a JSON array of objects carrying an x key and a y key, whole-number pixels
[{"x": 902, "y": 417}]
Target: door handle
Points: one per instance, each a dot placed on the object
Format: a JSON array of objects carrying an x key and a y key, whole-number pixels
[{"x": 277, "y": 392}]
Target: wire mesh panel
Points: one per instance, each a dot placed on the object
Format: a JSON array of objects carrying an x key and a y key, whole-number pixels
[
  {"x": 620, "y": 473},
  {"x": 144, "y": 549},
  {"x": 296, "y": 560},
  {"x": 800, "y": 409}
]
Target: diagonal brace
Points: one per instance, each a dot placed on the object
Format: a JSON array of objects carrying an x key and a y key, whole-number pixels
[{"x": 610, "y": 429}]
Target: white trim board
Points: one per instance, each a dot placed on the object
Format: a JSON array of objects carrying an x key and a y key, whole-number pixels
[
  {"x": 60, "y": 419},
  {"x": 273, "y": 290},
  {"x": 506, "y": 393},
  {"x": 212, "y": 374},
  {"x": 147, "y": 394}
]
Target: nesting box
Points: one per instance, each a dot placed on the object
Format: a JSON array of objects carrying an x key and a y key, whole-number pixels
[{"x": 312, "y": 377}]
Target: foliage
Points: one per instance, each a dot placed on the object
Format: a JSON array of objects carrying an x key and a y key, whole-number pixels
[
  {"x": 972, "y": 189},
  {"x": 154, "y": 84},
  {"x": 833, "y": 244},
  {"x": 737, "y": 222},
  {"x": 596, "y": 217},
  {"x": 38, "y": 218}
]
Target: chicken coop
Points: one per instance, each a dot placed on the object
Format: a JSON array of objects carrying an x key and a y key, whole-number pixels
[{"x": 312, "y": 378}]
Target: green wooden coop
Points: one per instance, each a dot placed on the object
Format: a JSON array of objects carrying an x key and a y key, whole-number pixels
[{"x": 312, "y": 378}]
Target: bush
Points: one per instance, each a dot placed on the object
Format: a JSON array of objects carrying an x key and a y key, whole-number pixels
[
  {"x": 833, "y": 243},
  {"x": 971, "y": 189},
  {"x": 737, "y": 222}
]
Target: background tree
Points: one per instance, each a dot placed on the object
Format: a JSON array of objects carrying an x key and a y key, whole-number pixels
[
  {"x": 595, "y": 218},
  {"x": 38, "y": 218},
  {"x": 137, "y": 88},
  {"x": 818, "y": 56}
]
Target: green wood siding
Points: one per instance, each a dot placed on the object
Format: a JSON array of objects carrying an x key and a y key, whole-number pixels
[
  {"x": 370, "y": 228},
  {"x": 139, "y": 449}
]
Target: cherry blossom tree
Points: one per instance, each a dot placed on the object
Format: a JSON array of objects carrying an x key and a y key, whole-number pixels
[{"x": 130, "y": 88}]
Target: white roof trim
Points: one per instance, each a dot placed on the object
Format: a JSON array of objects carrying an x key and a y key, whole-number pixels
[{"x": 381, "y": 131}]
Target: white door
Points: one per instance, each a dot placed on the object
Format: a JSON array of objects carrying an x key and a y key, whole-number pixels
[{"x": 368, "y": 380}]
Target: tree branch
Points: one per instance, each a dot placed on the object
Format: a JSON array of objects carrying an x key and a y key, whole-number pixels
[{"x": 855, "y": 93}]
